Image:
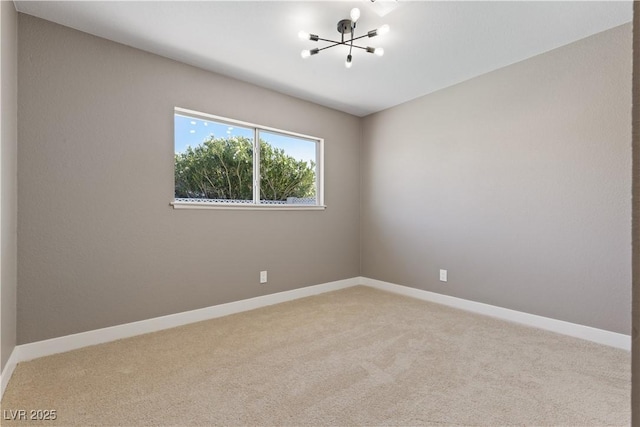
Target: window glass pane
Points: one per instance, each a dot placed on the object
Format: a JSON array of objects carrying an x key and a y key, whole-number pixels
[
  {"x": 213, "y": 160},
  {"x": 287, "y": 169}
]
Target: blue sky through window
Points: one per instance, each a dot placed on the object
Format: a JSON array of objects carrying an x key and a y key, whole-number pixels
[
  {"x": 190, "y": 131},
  {"x": 300, "y": 149}
]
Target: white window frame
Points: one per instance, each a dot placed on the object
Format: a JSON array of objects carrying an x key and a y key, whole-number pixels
[{"x": 256, "y": 205}]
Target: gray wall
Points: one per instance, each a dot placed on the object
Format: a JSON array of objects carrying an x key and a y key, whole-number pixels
[
  {"x": 635, "y": 368},
  {"x": 8, "y": 178},
  {"x": 99, "y": 244},
  {"x": 518, "y": 182}
]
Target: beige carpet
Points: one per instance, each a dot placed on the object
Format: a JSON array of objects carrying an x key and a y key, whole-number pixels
[{"x": 352, "y": 357}]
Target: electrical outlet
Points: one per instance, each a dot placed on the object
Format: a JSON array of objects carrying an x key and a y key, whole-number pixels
[
  {"x": 443, "y": 275},
  {"x": 263, "y": 276}
]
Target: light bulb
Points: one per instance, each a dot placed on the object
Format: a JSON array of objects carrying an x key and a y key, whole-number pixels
[
  {"x": 378, "y": 51},
  {"x": 383, "y": 30},
  {"x": 348, "y": 62},
  {"x": 304, "y": 35},
  {"x": 355, "y": 14},
  {"x": 305, "y": 53}
]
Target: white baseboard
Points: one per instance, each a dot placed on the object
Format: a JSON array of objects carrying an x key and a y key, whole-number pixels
[
  {"x": 33, "y": 350},
  {"x": 24, "y": 352},
  {"x": 600, "y": 336},
  {"x": 5, "y": 376}
]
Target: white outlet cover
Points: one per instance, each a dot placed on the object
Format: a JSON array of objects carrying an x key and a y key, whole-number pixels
[
  {"x": 263, "y": 277},
  {"x": 443, "y": 275}
]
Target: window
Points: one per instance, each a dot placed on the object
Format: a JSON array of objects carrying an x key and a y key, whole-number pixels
[{"x": 224, "y": 163}]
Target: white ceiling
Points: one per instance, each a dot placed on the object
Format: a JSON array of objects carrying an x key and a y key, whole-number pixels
[{"x": 431, "y": 45}]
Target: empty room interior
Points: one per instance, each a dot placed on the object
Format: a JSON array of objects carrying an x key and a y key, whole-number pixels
[{"x": 319, "y": 213}]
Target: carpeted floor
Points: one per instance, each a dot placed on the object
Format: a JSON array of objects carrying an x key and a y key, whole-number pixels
[{"x": 358, "y": 356}]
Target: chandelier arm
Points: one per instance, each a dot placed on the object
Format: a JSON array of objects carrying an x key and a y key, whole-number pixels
[
  {"x": 336, "y": 43},
  {"x": 332, "y": 45},
  {"x": 359, "y": 37},
  {"x": 352, "y": 30},
  {"x": 330, "y": 41},
  {"x": 344, "y": 44},
  {"x": 341, "y": 42},
  {"x": 359, "y": 47}
]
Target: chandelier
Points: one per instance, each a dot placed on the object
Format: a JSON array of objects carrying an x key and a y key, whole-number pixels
[{"x": 346, "y": 27}]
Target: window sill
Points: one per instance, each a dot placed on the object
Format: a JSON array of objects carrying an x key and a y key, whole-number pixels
[{"x": 247, "y": 206}]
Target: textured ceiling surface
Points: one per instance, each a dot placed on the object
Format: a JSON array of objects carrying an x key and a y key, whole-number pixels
[{"x": 431, "y": 45}]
